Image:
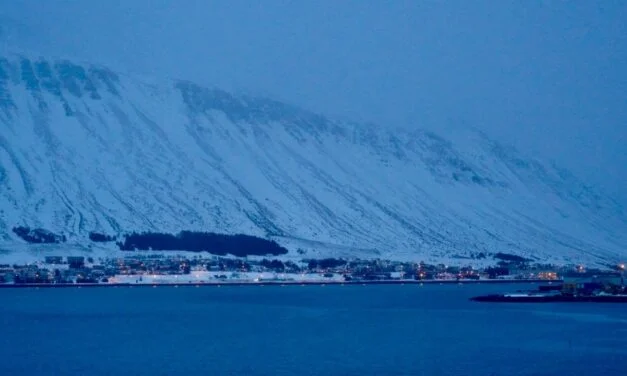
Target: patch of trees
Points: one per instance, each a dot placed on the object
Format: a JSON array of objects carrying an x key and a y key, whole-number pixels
[
  {"x": 291, "y": 267},
  {"x": 86, "y": 279},
  {"x": 276, "y": 265},
  {"x": 224, "y": 264},
  {"x": 217, "y": 244},
  {"x": 326, "y": 263},
  {"x": 509, "y": 257},
  {"x": 37, "y": 278},
  {"x": 100, "y": 238},
  {"x": 38, "y": 235},
  {"x": 494, "y": 271}
]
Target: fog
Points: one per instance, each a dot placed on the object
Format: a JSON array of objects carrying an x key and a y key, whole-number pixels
[{"x": 547, "y": 77}]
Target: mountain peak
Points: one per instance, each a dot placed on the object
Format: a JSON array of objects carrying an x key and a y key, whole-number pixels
[{"x": 88, "y": 149}]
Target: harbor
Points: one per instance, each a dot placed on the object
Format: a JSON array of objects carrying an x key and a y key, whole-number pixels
[{"x": 609, "y": 288}]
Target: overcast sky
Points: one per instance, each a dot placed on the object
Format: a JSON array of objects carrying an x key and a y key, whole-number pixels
[{"x": 549, "y": 77}]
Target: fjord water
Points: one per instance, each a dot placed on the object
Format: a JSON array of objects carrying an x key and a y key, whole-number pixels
[{"x": 304, "y": 330}]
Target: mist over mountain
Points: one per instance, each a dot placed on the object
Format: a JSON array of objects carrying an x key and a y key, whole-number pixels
[
  {"x": 84, "y": 148},
  {"x": 544, "y": 78}
]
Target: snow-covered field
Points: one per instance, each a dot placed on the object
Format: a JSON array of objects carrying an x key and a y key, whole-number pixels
[{"x": 85, "y": 149}]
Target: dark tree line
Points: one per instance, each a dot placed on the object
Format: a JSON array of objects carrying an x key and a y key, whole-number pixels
[
  {"x": 100, "y": 238},
  {"x": 326, "y": 263},
  {"x": 217, "y": 244},
  {"x": 276, "y": 265},
  {"x": 38, "y": 235},
  {"x": 494, "y": 271},
  {"x": 511, "y": 258}
]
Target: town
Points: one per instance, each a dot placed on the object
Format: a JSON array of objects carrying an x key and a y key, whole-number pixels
[{"x": 156, "y": 269}]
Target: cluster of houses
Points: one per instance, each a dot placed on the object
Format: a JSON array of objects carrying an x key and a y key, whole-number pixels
[
  {"x": 54, "y": 269},
  {"x": 78, "y": 269}
]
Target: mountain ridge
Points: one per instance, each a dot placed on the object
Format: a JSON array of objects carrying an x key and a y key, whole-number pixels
[{"x": 86, "y": 149}]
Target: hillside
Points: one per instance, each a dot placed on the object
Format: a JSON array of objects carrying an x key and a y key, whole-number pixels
[{"x": 83, "y": 148}]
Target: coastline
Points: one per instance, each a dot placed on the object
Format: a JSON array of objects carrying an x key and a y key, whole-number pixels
[{"x": 275, "y": 283}]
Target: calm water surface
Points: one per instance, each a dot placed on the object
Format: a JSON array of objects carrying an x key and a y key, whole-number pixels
[{"x": 306, "y": 330}]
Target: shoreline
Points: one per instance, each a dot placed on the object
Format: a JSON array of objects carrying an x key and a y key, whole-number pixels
[{"x": 275, "y": 283}]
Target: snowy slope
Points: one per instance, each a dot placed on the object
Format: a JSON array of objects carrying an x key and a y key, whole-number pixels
[{"x": 84, "y": 149}]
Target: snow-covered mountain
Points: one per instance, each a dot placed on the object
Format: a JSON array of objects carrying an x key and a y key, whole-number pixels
[{"x": 83, "y": 148}]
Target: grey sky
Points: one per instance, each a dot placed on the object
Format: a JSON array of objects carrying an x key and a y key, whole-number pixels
[{"x": 549, "y": 77}]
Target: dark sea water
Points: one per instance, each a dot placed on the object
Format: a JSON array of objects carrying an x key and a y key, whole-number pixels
[{"x": 304, "y": 330}]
